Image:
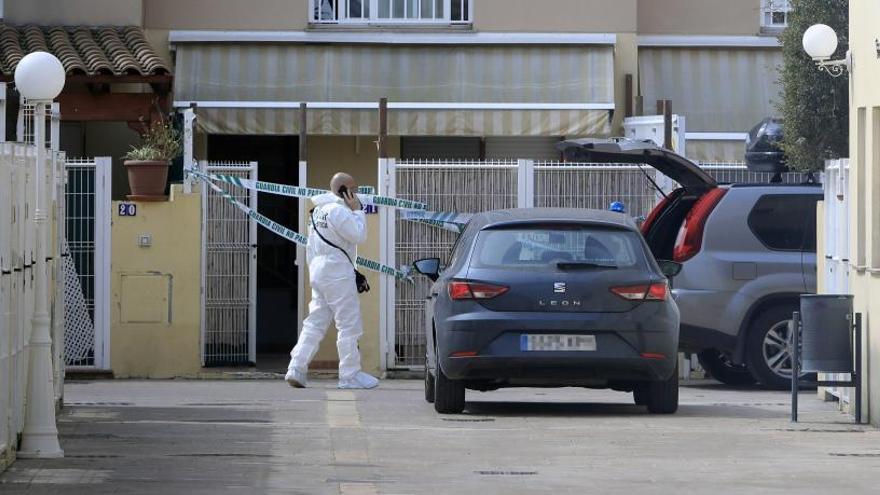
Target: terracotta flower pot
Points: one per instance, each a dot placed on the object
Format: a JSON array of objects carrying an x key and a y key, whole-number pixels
[{"x": 147, "y": 179}]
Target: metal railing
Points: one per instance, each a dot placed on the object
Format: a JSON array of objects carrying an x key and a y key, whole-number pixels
[{"x": 391, "y": 11}]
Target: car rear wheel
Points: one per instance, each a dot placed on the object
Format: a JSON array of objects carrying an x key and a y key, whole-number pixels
[
  {"x": 448, "y": 394},
  {"x": 640, "y": 395},
  {"x": 429, "y": 384},
  {"x": 662, "y": 397},
  {"x": 769, "y": 352},
  {"x": 720, "y": 367}
]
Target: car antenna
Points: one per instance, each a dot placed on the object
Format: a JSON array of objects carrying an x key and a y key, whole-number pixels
[{"x": 651, "y": 180}]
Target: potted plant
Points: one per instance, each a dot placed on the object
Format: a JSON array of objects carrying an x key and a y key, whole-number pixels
[{"x": 148, "y": 163}]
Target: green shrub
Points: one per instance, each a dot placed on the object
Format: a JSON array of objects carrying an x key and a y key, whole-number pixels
[{"x": 815, "y": 106}]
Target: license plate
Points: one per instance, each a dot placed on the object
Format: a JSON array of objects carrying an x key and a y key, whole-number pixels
[{"x": 545, "y": 342}]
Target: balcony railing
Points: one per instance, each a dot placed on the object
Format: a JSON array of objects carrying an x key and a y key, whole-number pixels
[{"x": 419, "y": 12}]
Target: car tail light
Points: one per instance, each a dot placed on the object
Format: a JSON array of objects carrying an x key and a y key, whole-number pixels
[
  {"x": 652, "y": 217},
  {"x": 473, "y": 290},
  {"x": 464, "y": 354},
  {"x": 653, "y": 355},
  {"x": 644, "y": 292},
  {"x": 690, "y": 235}
]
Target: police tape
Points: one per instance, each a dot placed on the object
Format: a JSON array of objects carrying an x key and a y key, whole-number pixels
[
  {"x": 298, "y": 238},
  {"x": 437, "y": 216},
  {"x": 458, "y": 229},
  {"x": 306, "y": 192}
]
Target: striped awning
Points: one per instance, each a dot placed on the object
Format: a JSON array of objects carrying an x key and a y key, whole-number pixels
[
  {"x": 716, "y": 151},
  {"x": 480, "y": 90},
  {"x": 715, "y": 89}
]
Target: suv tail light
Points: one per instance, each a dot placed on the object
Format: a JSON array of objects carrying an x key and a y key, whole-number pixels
[
  {"x": 645, "y": 292},
  {"x": 459, "y": 290},
  {"x": 690, "y": 235}
]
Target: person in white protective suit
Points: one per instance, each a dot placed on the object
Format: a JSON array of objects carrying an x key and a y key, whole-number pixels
[{"x": 336, "y": 220}]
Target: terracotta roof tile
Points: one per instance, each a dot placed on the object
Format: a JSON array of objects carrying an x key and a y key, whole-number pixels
[{"x": 109, "y": 50}]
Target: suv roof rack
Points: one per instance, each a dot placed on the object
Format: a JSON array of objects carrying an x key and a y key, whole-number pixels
[{"x": 775, "y": 184}]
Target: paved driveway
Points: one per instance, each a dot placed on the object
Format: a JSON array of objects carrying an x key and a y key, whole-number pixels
[{"x": 212, "y": 437}]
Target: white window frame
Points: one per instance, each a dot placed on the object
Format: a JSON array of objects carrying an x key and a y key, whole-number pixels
[
  {"x": 770, "y": 7},
  {"x": 340, "y": 9}
]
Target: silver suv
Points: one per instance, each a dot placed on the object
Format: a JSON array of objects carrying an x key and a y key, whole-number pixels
[{"x": 748, "y": 252}]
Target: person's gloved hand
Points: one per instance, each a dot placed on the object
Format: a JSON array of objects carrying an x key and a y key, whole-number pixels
[{"x": 352, "y": 201}]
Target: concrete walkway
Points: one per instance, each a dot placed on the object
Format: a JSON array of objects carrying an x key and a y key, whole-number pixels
[{"x": 193, "y": 437}]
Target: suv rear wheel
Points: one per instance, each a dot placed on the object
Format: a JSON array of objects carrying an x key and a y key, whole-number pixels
[
  {"x": 768, "y": 348},
  {"x": 720, "y": 367}
]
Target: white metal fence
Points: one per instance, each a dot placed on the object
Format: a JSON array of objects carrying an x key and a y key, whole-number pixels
[
  {"x": 476, "y": 186},
  {"x": 17, "y": 261},
  {"x": 229, "y": 271}
]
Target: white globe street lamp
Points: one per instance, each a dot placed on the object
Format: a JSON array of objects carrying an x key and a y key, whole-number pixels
[
  {"x": 820, "y": 43},
  {"x": 39, "y": 77}
]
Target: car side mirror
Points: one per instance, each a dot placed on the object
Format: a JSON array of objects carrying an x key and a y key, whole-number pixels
[
  {"x": 429, "y": 267},
  {"x": 670, "y": 268}
]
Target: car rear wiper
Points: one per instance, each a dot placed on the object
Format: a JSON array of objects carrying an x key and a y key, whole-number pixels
[{"x": 568, "y": 265}]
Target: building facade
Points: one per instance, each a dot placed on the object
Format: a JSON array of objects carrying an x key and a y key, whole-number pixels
[
  {"x": 469, "y": 79},
  {"x": 864, "y": 188}
]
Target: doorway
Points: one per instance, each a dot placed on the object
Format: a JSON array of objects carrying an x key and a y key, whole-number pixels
[{"x": 277, "y": 276}]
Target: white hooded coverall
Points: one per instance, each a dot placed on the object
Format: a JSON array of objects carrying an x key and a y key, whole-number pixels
[{"x": 334, "y": 294}]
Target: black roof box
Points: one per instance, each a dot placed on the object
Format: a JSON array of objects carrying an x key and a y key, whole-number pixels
[{"x": 763, "y": 153}]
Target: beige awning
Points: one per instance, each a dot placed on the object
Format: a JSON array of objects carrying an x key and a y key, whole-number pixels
[
  {"x": 490, "y": 90},
  {"x": 347, "y": 122},
  {"x": 716, "y": 151},
  {"x": 715, "y": 89}
]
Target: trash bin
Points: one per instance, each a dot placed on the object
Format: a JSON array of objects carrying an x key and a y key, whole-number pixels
[{"x": 827, "y": 333}]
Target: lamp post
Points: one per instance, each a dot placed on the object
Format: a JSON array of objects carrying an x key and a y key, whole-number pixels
[
  {"x": 820, "y": 43},
  {"x": 39, "y": 77}
]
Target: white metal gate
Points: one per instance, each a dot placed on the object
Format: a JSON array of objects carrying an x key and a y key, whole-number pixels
[
  {"x": 476, "y": 186},
  {"x": 229, "y": 271},
  {"x": 87, "y": 205},
  {"x": 18, "y": 237},
  {"x": 836, "y": 248}
]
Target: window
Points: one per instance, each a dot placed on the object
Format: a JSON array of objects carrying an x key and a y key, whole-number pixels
[
  {"x": 544, "y": 247},
  {"x": 391, "y": 11},
  {"x": 458, "y": 248},
  {"x": 786, "y": 222},
  {"x": 774, "y": 13}
]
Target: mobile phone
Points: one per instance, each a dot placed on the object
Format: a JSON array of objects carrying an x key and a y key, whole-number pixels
[{"x": 343, "y": 191}]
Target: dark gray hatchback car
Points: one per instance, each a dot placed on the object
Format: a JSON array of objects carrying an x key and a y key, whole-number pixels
[{"x": 551, "y": 298}]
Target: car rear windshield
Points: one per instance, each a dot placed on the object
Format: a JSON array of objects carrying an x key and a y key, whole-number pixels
[{"x": 548, "y": 246}]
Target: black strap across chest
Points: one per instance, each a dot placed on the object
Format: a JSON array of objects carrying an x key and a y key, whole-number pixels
[{"x": 315, "y": 227}]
